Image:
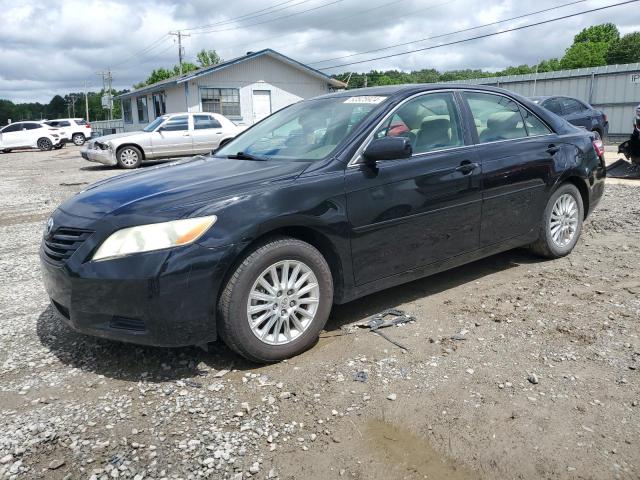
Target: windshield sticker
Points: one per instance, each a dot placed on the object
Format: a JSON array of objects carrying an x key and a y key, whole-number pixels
[{"x": 368, "y": 99}]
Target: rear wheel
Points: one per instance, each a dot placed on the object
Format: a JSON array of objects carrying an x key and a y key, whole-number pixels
[
  {"x": 129, "y": 157},
  {"x": 561, "y": 223},
  {"x": 277, "y": 301},
  {"x": 6, "y": 150},
  {"x": 78, "y": 139},
  {"x": 44, "y": 144}
]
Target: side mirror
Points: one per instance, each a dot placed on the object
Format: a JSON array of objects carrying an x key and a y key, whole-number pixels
[{"x": 387, "y": 148}]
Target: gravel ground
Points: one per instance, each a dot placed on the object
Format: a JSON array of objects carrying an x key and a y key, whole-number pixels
[{"x": 517, "y": 368}]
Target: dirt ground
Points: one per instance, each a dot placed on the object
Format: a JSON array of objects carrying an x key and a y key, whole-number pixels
[{"x": 517, "y": 368}]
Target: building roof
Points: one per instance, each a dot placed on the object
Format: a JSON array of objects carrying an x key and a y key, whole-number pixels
[{"x": 178, "y": 79}]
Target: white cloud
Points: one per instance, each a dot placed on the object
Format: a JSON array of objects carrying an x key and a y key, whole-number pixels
[{"x": 49, "y": 47}]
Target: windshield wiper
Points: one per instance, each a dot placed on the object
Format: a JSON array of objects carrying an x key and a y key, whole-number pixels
[{"x": 245, "y": 156}]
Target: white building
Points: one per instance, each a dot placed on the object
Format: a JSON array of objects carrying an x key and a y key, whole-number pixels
[{"x": 245, "y": 90}]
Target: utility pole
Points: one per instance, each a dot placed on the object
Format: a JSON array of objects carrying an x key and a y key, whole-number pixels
[
  {"x": 179, "y": 34},
  {"x": 365, "y": 81},
  {"x": 86, "y": 102},
  {"x": 107, "y": 101}
]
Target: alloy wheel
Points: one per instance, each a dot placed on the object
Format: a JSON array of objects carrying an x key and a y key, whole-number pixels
[
  {"x": 78, "y": 140},
  {"x": 45, "y": 144},
  {"x": 283, "y": 302},
  {"x": 563, "y": 223}
]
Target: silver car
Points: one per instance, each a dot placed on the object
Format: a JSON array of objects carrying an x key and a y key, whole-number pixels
[{"x": 172, "y": 135}]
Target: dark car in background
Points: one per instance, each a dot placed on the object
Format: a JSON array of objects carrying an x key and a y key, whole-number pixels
[
  {"x": 323, "y": 202},
  {"x": 576, "y": 112}
]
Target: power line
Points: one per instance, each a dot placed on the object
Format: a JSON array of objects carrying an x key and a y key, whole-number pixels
[
  {"x": 450, "y": 33},
  {"x": 270, "y": 20},
  {"x": 522, "y": 27},
  {"x": 342, "y": 19},
  {"x": 152, "y": 46},
  {"x": 248, "y": 16}
]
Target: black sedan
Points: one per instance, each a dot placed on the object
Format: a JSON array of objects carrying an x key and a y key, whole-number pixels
[
  {"x": 323, "y": 202},
  {"x": 576, "y": 112}
]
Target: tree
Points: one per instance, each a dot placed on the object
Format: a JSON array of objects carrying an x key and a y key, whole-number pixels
[
  {"x": 186, "y": 68},
  {"x": 605, "y": 32},
  {"x": 207, "y": 58},
  {"x": 625, "y": 50},
  {"x": 57, "y": 107},
  {"x": 590, "y": 46}
]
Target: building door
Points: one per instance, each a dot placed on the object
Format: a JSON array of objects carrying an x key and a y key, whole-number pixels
[{"x": 261, "y": 104}]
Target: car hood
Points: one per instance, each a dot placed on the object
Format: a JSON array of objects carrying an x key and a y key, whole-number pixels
[
  {"x": 175, "y": 189},
  {"x": 117, "y": 136}
]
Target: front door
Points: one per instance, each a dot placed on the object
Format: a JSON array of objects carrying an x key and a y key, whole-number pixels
[
  {"x": 173, "y": 138},
  {"x": 261, "y": 104},
  {"x": 413, "y": 212},
  {"x": 517, "y": 151},
  {"x": 13, "y": 136}
]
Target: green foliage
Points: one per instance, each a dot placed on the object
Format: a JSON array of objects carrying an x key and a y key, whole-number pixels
[
  {"x": 585, "y": 54},
  {"x": 605, "y": 33},
  {"x": 625, "y": 50},
  {"x": 207, "y": 58}
]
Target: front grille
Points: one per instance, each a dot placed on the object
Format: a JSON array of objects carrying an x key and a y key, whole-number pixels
[{"x": 64, "y": 242}]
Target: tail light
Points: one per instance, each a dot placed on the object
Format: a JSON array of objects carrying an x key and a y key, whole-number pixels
[
  {"x": 604, "y": 118},
  {"x": 598, "y": 146},
  {"x": 87, "y": 125}
]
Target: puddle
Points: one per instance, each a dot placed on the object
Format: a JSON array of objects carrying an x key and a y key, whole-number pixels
[{"x": 410, "y": 456}]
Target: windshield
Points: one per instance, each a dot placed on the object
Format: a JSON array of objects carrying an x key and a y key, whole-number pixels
[
  {"x": 306, "y": 131},
  {"x": 153, "y": 125}
]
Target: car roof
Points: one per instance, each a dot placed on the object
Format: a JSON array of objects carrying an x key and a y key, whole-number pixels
[{"x": 393, "y": 90}]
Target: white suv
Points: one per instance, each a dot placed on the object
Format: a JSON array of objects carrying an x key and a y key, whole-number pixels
[
  {"x": 29, "y": 135},
  {"x": 77, "y": 130}
]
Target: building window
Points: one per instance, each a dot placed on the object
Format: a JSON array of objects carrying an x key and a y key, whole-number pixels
[
  {"x": 143, "y": 111},
  {"x": 159, "y": 104},
  {"x": 225, "y": 101},
  {"x": 126, "y": 110}
]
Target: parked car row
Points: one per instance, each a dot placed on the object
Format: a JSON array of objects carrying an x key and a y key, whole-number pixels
[
  {"x": 44, "y": 135},
  {"x": 172, "y": 135}
]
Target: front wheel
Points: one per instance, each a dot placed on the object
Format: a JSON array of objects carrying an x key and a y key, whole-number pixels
[
  {"x": 277, "y": 301},
  {"x": 44, "y": 144},
  {"x": 561, "y": 223},
  {"x": 129, "y": 157}
]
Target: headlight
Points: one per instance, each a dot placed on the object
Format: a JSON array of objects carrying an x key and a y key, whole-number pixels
[{"x": 156, "y": 236}]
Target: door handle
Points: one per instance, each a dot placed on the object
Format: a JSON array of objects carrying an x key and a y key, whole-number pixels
[
  {"x": 218, "y": 133},
  {"x": 553, "y": 149},
  {"x": 185, "y": 134},
  {"x": 467, "y": 167}
]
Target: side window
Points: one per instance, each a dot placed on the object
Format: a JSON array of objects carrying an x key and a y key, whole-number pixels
[
  {"x": 175, "y": 124},
  {"x": 32, "y": 126},
  {"x": 496, "y": 117},
  {"x": 534, "y": 124},
  {"x": 17, "y": 127},
  {"x": 430, "y": 122},
  {"x": 553, "y": 105},
  {"x": 202, "y": 122},
  {"x": 64, "y": 124},
  {"x": 570, "y": 105}
]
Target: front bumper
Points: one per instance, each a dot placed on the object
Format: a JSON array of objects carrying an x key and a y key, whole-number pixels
[
  {"x": 165, "y": 298},
  {"x": 106, "y": 157}
]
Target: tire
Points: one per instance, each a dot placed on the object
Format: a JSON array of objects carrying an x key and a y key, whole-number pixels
[
  {"x": 234, "y": 303},
  {"x": 78, "y": 139},
  {"x": 44, "y": 144},
  {"x": 567, "y": 214},
  {"x": 6, "y": 150},
  {"x": 129, "y": 157}
]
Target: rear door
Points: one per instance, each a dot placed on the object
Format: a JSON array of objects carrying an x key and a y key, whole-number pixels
[
  {"x": 417, "y": 211},
  {"x": 516, "y": 150},
  {"x": 173, "y": 139},
  {"x": 207, "y": 132}
]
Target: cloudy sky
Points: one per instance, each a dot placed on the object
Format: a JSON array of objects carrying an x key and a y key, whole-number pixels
[{"x": 53, "y": 46}]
